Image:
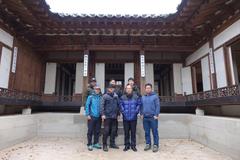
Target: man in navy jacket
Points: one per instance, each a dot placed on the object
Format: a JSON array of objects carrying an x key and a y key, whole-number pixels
[
  {"x": 149, "y": 111},
  {"x": 110, "y": 111}
]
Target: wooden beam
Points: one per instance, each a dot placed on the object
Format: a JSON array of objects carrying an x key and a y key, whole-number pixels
[{"x": 157, "y": 48}]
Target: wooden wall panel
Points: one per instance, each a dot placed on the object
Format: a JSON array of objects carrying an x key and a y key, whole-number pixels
[{"x": 28, "y": 71}]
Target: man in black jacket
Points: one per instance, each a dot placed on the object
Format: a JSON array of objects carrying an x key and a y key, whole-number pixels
[
  {"x": 110, "y": 109},
  {"x": 134, "y": 86}
]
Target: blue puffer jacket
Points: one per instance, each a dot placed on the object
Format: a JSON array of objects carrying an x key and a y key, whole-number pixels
[
  {"x": 130, "y": 106},
  {"x": 150, "y": 105},
  {"x": 93, "y": 105}
]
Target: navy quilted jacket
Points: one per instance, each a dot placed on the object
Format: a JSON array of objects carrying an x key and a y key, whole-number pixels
[{"x": 130, "y": 107}]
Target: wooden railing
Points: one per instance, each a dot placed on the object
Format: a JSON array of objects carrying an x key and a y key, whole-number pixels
[
  {"x": 217, "y": 93},
  {"x": 29, "y": 96},
  {"x": 56, "y": 98},
  {"x": 19, "y": 95},
  {"x": 172, "y": 99}
]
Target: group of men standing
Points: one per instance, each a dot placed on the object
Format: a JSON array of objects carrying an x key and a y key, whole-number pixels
[{"x": 128, "y": 103}]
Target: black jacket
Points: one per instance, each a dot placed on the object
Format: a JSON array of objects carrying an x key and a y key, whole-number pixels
[{"x": 110, "y": 105}]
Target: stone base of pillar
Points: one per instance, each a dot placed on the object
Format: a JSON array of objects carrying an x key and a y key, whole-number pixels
[
  {"x": 199, "y": 112},
  {"x": 82, "y": 111},
  {"x": 27, "y": 111},
  {"x": 2, "y": 108}
]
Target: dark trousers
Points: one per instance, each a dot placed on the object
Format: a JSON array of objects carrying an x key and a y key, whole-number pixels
[
  {"x": 109, "y": 125},
  {"x": 116, "y": 134},
  {"x": 94, "y": 127},
  {"x": 130, "y": 129},
  {"x": 151, "y": 124}
]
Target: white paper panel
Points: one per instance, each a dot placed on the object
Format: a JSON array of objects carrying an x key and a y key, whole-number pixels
[
  {"x": 5, "y": 66},
  {"x": 205, "y": 74},
  {"x": 187, "y": 80},
  {"x": 128, "y": 72},
  {"x": 79, "y": 78},
  {"x": 50, "y": 78},
  {"x": 220, "y": 68},
  {"x": 100, "y": 75},
  {"x": 177, "y": 78},
  {"x": 6, "y": 38}
]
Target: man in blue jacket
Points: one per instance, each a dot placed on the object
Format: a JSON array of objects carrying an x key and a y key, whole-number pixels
[
  {"x": 130, "y": 106},
  {"x": 94, "y": 119},
  {"x": 149, "y": 111}
]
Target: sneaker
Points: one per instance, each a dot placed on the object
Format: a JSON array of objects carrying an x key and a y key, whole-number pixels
[
  {"x": 155, "y": 148},
  {"x": 126, "y": 148},
  {"x": 134, "y": 149},
  {"x": 147, "y": 147},
  {"x": 97, "y": 146},
  {"x": 105, "y": 148},
  {"x": 90, "y": 147}
]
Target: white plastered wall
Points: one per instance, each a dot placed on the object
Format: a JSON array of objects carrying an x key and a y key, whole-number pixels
[
  {"x": 229, "y": 33},
  {"x": 198, "y": 54}
]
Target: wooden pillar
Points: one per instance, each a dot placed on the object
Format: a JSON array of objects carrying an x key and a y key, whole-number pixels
[
  {"x": 63, "y": 83},
  {"x": 194, "y": 79},
  {"x": 58, "y": 80},
  {"x": 142, "y": 71},
  {"x": 70, "y": 85},
  {"x": 228, "y": 65},
  {"x": 85, "y": 75}
]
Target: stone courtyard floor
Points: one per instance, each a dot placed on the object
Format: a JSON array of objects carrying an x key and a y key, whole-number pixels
[{"x": 47, "y": 148}]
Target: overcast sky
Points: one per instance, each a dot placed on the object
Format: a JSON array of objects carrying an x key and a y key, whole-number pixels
[{"x": 114, "y": 7}]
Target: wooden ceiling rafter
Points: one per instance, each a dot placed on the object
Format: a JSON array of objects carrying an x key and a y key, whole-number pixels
[{"x": 194, "y": 19}]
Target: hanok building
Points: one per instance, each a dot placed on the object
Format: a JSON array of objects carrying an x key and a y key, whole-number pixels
[{"x": 191, "y": 57}]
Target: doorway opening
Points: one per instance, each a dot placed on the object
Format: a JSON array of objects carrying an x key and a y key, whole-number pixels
[
  {"x": 115, "y": 71},
  {"x": 235, "y": 48},
  {"x": 65, "y": 81},
  {"x": 163, "y": 79},
  {"x": 197, "y": 77}
]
